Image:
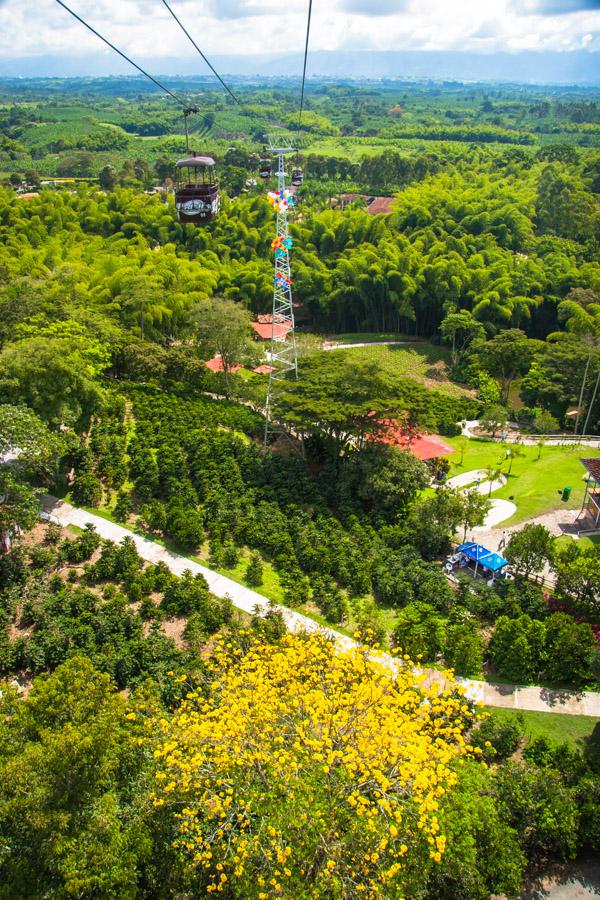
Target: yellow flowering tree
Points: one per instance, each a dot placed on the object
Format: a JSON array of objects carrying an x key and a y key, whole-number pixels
[{"x": 296, "y": 770}]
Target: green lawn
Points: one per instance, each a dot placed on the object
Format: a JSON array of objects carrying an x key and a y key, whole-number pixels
[
  {"x": 534, "y": 485},
  {"x": 424, "y": 362},
  {"x": 583, "y": 542},
  {"x": 556, "y": 727}
]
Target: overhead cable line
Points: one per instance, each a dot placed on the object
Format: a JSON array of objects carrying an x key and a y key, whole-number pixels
[
  {"x": 305, "y": 59},
  {"x": 123, "y": 55},
  {"x": 193, "y": 42}
]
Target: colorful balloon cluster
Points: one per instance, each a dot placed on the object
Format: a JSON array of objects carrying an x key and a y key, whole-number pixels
[
  {"x": 282, "y": 281},
  {"x": 281, "y": 245},
  {"x": 280, "y": 200}
]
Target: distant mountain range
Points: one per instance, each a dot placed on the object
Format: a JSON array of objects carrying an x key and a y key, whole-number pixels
[{"x": 575, "y": 67}]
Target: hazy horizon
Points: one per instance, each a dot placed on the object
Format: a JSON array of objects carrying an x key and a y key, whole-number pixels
[
  {"x": 543, "y": 68},
  {"x": 531, "y": 41}
]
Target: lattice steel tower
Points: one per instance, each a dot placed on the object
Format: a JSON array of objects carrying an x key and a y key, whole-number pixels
[{"x": 283, "y": 357}]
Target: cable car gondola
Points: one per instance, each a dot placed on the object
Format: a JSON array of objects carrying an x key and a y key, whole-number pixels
[
  {"x": 265, "y": 167},
  {"x": 197, "y": 189},
  {"x": 297, "y": 177}
]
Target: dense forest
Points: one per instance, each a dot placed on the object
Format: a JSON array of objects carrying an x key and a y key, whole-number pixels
[{"x": 135, "y": 760}]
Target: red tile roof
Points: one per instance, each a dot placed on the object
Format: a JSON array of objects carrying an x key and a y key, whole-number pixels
[
  {"x": 380, "y": 205},
  {"x": 593, "y": 467},
  {"x": 216, "y": 365},
  {"x": 423, "y": 446},
  {"x": 264, "y": 369},
  {"x": 266, "y": 330},
  {"x": 429, "y": 446}
]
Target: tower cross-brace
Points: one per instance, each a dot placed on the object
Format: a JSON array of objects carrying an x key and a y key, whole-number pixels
[{"x": 283, "y": 358}]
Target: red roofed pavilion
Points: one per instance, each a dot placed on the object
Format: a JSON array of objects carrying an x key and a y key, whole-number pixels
[
  {"x": 266, "y": 330},
  {"x": 423, "y": 446},
  {"x": 380, "y": 206},
  {"x": 216, "y": 364},
  {"x": 429, "y": 446}
]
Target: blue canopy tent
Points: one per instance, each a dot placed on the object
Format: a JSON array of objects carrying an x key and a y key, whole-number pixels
[
  {"x": 482, "y": 556},
  {"x": 494, "y": 562}
]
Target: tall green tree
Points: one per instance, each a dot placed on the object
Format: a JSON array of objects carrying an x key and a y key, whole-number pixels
[
  {"x": 578, "y": 576},
  {"x": 19, "y": 505},
  {"x": 27, "y": 440},
  {"x": 56, "y": 376},
  {"x": 462, "y": 331},
  {"x": 347, "y": 403},
  {"x": 73, "y": 785},
  {"x": 530, "y": 549},
  {"x": 508, "y": 354},
  {"x": 222, "y": 327}
]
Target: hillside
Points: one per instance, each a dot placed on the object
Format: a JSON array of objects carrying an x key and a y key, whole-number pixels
[{"x": 155, "y": 742}]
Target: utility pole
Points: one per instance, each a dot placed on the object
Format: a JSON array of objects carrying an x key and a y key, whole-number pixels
[{"x": 283, "y": 358}]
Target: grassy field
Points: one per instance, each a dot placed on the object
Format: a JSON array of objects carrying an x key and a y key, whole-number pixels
[
  {"x": 556, "y": 727},
  {"x": 422, "y": 361},
  {"x": 583, "y": 542},
  {"x": 534, "y": 484},
  {"x": 366, "y": 337}
]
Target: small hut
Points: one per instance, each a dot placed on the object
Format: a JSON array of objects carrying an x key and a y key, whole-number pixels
[{"x": 590, "y": 507}]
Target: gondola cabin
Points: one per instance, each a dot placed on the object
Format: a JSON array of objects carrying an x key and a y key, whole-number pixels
[
  {"x": 265, "y": 168},
  {"x": 297, "y": 177},
  {"x": 197, "y": 190}
]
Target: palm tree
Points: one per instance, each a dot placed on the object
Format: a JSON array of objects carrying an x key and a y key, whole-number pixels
[
  {"x": 516, "y": 451},
  {"x": 493, "y": 472}
]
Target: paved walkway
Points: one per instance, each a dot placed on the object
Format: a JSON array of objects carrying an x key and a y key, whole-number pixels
[
  {"x": 475, "y": 480},
  {"x": 467, "y": 479},
  {"x": 559, "y": 521},
  {"x": 499, "y": 511},
  {"x": 514, "y": 436},
  {"x": 510, "y": 696}
]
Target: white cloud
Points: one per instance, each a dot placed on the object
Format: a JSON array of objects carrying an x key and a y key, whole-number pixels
[{"x": 144, "y": 29}]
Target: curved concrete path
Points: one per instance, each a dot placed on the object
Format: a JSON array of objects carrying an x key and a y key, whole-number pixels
[
  {"x": 505, "y": 695},
  {"x": 475, "y": 481},
  {"x": 499, "y": 511}
]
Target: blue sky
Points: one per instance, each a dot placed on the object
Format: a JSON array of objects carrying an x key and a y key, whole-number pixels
[{"x": 143, "y": 28}]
